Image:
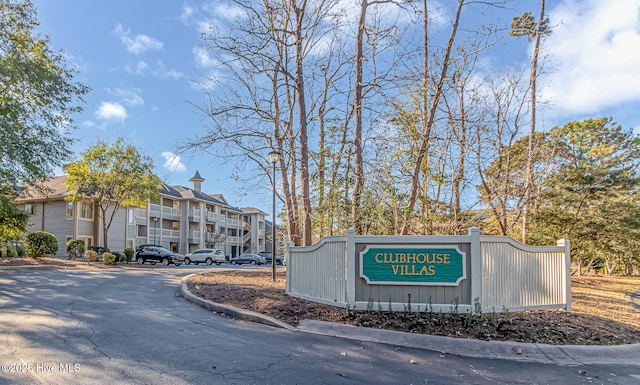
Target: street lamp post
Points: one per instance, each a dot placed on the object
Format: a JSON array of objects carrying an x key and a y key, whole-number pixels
[
  {"x": 155, "y": 228},
  {"x": 274, "y": 156}
]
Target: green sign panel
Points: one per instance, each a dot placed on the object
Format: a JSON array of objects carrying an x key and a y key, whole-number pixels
[{"x": 402, "y": 265}]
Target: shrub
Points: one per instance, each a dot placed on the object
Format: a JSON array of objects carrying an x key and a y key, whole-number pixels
[
  {"x": 97, "y": 249},
  {"x": 75, "y": 248},
  {"x": 119, "y": 256},
  {"x": 40, "y": 243},
  {"x": 109, "y": 258},
  {"x": 128, "y": 254},
  {"x": 11, "y": 251},
  {"x": 91, "y": 256}
]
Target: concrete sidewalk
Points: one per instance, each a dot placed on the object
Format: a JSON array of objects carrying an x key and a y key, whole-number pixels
[
  {"x": 565, "y": 355},
  {"x": 634, "y": 299}
]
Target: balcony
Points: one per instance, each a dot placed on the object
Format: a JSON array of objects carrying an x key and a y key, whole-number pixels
[
  {"x": 170, "y": 212},
  {"x": 141, "y": 213},
  {"x": 193, "y": 236},
  {"x": 214, "y": 237},
  {"x": 154, "y": 210},
  {"x": 171, "y": 233},
  {"x": 233, "y": 240},
  {"x": 194, "y": 215}
]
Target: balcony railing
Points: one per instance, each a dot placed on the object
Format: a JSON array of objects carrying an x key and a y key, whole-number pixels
[
  {"x": 154, "y": 210},
  {"x": 233, "y": 240},
  {"x": 171, "y": 211},
  {"x": 194, "y": 236},
  {"x": 141, "y": 213},
  {"x": 171, "y": 233}
]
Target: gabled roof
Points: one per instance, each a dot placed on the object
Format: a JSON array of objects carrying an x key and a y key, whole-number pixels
[
  {"x": 55, "y": 189},
  {"x": 188, "y": 193},
  {"x": 170, "y": 191},
  {"x": 252, "y": 210},
  {"x": 49, "y": 189},
  {"x": 220, "y": 197}
]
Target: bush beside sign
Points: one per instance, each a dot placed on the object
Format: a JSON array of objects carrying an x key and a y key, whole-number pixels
[{"x": 402, "y": 265}]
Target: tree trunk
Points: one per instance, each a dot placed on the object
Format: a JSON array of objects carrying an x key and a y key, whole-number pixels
[
  {"x": 426, "y": 135},
  {"x": 532, "y": 128},
  {"x": 304, "y": 147},
  {"x": 358, "y": 169}
]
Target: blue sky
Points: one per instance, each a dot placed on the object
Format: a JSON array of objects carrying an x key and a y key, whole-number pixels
[{"x": 142, "y": 60}]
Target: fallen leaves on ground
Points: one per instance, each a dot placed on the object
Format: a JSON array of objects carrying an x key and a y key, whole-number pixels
[{"x": 254, "y": 290}]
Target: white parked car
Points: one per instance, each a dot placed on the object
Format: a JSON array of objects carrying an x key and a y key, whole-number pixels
[{"x": 208, "y": 256}]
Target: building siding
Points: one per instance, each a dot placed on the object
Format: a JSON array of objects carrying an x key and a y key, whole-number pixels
[{"x": 182, "y": 222}]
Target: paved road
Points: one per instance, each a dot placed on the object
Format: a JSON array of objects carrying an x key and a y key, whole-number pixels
[{"x": 130, "y": 326}]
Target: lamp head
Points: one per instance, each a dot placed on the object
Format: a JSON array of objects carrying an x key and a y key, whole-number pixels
[{"x": 274, "y": 156}]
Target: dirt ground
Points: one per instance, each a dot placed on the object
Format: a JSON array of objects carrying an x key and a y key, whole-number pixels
[{"x": 254, "y": 290}]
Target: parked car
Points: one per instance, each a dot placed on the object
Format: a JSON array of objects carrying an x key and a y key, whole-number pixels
[
  {"x": 253, "y": 259},
  {"x": 267, "y": 257},
  {"x": 208, "y": 256},
  {"x": 140, "y": 247},
  {"x": 155, "y": 254}
]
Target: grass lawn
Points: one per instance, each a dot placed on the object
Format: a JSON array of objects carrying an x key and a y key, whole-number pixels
[{"x": 604, "y": 296}]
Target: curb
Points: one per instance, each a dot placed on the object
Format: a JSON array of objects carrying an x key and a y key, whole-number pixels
[
  {"x": 246, "y": 315},
  {"x": 563, "y": 355},
  {"x": 37, "y": 267}
]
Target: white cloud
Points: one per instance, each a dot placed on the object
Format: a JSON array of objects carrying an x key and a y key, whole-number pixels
[
  {"x": 203, "y": 59},
  {"x": 138, "y": 43},
  {"x": 594, "y": 55},
  {"x": 111, "y": 111},
  {"x": 172, "y": 162},
  {"x": 129, "y": 96},
  {"x": 162, "y": 72},
  {"x": 187, "y": 13},
  {"x": 207, "y": 82},
  {"x": 139, "y": 68},
  {"x": 227, "y": 11},
  {"x": 210, "y": 15}
]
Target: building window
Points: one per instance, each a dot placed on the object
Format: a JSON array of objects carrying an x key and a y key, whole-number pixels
[
  {"x": 69, "y": 210},
  {"x": 29, "y": 209},
  {"x": 175, "y": 225},
  {"x": 130, "y": 216},
  {"x": 86, "y": 210}
]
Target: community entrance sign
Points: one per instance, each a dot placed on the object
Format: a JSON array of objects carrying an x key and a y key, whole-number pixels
[{"x": 406, "y": 265}]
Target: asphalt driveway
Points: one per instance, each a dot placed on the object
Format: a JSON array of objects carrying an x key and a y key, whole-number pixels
[{"x": 131, "y": 326}]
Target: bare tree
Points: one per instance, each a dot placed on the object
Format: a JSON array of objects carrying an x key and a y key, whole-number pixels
[
  {"x": 499, "y": 168},
  {"x": 527, "y": 26},
  {"x": 264, "y": 56},
  {"x": 430, "y": 119}
]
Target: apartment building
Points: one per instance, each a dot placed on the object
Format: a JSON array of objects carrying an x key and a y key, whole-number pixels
[{"x": 183, "y": 219}]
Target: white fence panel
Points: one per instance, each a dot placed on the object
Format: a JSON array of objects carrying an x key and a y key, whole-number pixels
[
  {"x": 507, "y": 274},
  {"x": 518, "y": 277},
  {"x": 318, "y": 272}
]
